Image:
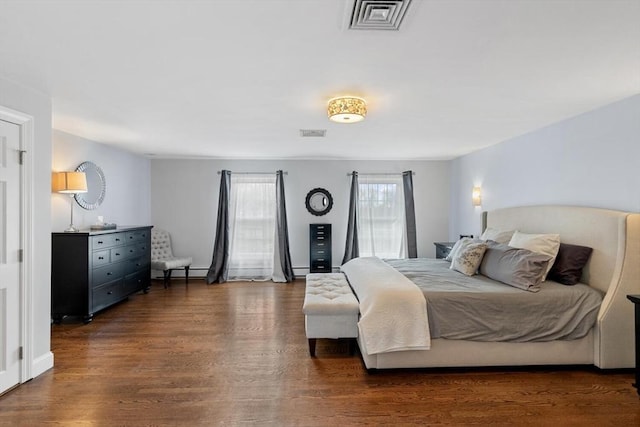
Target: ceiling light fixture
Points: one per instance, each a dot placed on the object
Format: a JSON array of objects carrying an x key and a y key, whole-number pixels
[{"x": 347, "y": 109}]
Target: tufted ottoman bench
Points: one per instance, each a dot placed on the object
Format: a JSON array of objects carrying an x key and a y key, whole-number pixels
[{"x": 330, "y": 308}]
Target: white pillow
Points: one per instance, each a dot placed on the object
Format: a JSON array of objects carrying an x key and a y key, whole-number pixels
[
  {"x": 500, "y": 236},
  {"x": 468, "y": 258},
  {"x": 457, "y": 246},
  {"x": 546, "y": 244},
  {"x": 453, "y": 250}
]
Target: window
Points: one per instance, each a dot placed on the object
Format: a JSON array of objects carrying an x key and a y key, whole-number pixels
[
  {"x": 252, "y": 226},
  {"x": 381, "y": 220}
]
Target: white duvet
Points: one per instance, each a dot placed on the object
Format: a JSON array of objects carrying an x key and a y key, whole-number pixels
[{"x": 393, "y": 310}]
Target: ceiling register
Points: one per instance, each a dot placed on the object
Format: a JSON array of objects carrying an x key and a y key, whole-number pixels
[{"x": 378, "y": 14}]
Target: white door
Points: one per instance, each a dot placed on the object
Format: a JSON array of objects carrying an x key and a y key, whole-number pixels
[{"x": 9, "y": 255}]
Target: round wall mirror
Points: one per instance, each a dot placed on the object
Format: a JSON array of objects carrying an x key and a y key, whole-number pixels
[
  {"x": 96, "y": 186},
  {"x": 319, "y": 201}
]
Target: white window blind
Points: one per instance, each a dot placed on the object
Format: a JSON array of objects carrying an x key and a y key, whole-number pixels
[
  {"x": 381, "y": 220},
  {"x": 252, "y": 225}
]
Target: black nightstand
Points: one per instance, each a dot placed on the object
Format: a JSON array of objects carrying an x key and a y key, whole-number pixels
[
  {"x": 443, "y": 249},
  {"x": 636, "y": 300}
]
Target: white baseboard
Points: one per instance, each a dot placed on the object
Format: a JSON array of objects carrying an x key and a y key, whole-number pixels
[
  {"x": 41, "y": 364},
  {"x": 201, "y": 272}
]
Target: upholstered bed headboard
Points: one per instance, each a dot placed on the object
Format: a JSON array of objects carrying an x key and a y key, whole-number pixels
[{"x": 614, "y": 267}]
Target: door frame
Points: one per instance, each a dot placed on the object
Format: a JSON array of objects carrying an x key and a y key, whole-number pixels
[{"x": 26, "y": 124}]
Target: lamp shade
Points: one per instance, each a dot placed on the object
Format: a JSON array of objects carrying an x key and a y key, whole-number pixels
[
  {"x": 68, "y": 182},
  {"x": 476, "y": 196},
  {"x": 347, "y": 109}
]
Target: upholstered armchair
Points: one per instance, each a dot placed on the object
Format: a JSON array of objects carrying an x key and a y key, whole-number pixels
[{"x": 162, "y": 257}]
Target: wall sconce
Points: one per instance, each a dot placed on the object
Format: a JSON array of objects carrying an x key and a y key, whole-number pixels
[
  {"x": 69, "y": 183},
  {"x": 476, "y": 196}
]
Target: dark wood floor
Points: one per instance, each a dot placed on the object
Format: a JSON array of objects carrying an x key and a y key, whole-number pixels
[{"x": 236, "y": 354}]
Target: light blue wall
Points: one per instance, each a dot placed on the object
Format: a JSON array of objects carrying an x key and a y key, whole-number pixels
[
  {"x": 185, "y": 201},
  {"x": 589, "y": 160},
  {"x": 127, "y": 199}
]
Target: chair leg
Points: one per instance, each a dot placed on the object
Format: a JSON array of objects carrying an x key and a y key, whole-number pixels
[
  {"x": 312, "y": 347},
  {"x": 186, "y": 274},
  {"x": 167, "y": 277}
]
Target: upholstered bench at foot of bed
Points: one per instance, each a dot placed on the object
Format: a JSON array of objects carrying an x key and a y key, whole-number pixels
[{"x": 330, "y": 307}]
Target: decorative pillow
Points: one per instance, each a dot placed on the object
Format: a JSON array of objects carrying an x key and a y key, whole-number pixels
[
  {"x": 500, "y": 236},
  {"x": 520, "y": 268},
  {"x": 468, "y": 258},
  {"x": 569, "y": 263},
  {"x": 459, "y": 245},
  {"x": 546, "y": 244},
  {"x": 453, "y": 250}
]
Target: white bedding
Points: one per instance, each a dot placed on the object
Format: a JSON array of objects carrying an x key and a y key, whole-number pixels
[{"x": 388, "y": 298}]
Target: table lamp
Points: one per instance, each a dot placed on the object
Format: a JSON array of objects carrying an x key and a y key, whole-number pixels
[{"x": 69, "y": 183}]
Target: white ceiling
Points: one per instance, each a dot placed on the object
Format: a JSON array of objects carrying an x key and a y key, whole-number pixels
[{"x": 240, "y": 78}]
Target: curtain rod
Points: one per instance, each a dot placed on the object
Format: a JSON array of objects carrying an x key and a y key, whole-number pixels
[
  {"x": 254, "y": 173},
  {"x": 380, "y": 173}
]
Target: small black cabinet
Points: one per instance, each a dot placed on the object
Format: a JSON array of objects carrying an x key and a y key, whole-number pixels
[
  {"x": 320, "y": 248},
  {"x": 443, "y": 249},
  {"x": 95, "y": 269}
]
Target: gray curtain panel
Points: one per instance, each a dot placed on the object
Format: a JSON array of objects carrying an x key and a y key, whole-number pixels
[
  {"x": 283, "y": 229},
  {"x": 410, "y": 214},
  {"x": 351, "y": 249},
  {"x": 218, "y": 270}
]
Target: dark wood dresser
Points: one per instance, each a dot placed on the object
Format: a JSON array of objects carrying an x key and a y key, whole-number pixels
[
  {"x": 92, "y": 270},
  {"x": 320, "y": 248}
]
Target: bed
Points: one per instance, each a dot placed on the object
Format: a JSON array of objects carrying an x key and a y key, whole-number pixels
[{"x": 613, "y": 271}]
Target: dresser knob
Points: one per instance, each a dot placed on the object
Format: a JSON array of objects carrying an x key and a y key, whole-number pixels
[{"x": 100, "y": 257}]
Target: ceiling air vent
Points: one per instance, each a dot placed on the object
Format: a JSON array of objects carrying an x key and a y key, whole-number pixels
[
  {"x": 313, "y": 132},
  {"x": 378, "y": 14}
]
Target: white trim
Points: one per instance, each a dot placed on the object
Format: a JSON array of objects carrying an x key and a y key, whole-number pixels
[
  {"x": 42, "y": 364},
  {"x": 26, "y": 123}
]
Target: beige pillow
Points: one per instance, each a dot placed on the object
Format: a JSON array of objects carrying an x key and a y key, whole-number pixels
[
  {"x": 468, "y": 258},
  {"x": 546, "y": 244},
  {"x": 500, "y": 236},
  {"x": 453, "y": 250},
  {"x": 459, "y": 245}
]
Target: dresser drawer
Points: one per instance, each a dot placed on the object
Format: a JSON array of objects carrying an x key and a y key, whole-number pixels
[
  {"x": 107, "y": 294},
  {"x": 320, "y": 252},
  {"x": 107, "y": 273},
  {"x": 133, "y": 265},
  {"x": 107, "y": 240},
  {"x": 100, "y": 258},
  {"x": 321, "y": 266},
  {"x": 320, "y": 246},
  {"x": 136, "y": 281},
  {"x": 119, "y": 254},
  {"x": 138, "y": 236}
]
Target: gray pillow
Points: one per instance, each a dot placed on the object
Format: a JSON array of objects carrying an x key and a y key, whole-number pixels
[{"x": 516, "y": 267}]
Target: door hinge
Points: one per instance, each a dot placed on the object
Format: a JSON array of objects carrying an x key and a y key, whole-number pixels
[
  {"x": 21, "y": 352},
  {"x": 22, "y": 153},
  {"x": 20, "y": 254}
]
